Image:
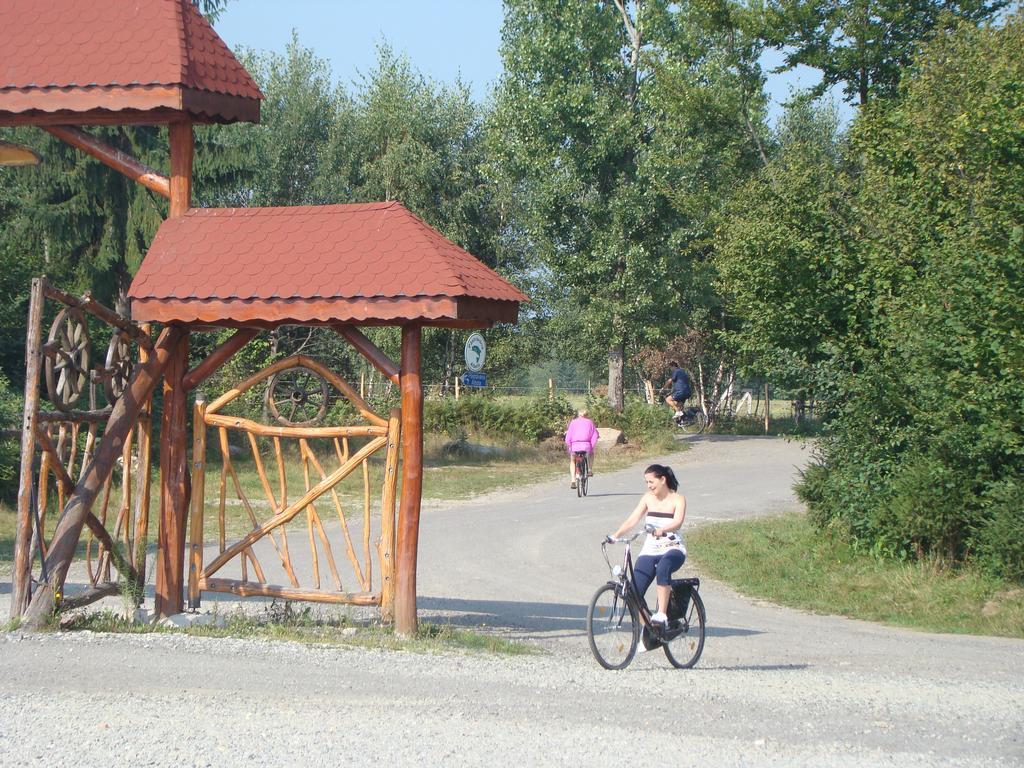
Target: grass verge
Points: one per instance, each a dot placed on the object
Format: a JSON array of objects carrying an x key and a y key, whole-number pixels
[
  {"x": 789, "y": 561},
  {"x": 304, "y": 625}
]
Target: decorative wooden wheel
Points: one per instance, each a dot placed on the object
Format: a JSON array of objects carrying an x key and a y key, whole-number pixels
[
  {"x": 118, "y": 366},
  {"x": 67, "y": 354},
  {"x": 297, "y": 397}
]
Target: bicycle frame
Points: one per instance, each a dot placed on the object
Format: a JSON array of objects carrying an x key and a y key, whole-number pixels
[
  {"x": 581, "y": 463},
  {"x": 623, "y": 578}
]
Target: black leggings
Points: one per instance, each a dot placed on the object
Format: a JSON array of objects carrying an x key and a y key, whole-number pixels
[{"x": 647, "y": 567}]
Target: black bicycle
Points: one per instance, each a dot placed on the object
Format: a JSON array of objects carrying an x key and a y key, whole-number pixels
[
  {"x": 582, "y": 472},
  {"x": 618, "y": 619},
  {"x": 691, "y": 421}
]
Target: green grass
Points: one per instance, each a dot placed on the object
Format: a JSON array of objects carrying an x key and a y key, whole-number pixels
[
  {"x": 789, "y": 561},
  {"x": 285, "y": 622}
]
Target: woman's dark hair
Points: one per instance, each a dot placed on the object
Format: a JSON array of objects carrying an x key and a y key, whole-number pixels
[{"x": 666, "y": 473}]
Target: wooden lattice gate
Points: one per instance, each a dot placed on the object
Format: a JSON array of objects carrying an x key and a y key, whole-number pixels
[{"x": 255, "y": 551}]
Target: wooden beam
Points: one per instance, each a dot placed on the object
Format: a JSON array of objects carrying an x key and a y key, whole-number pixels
[
  {"x": 174, "y": 486},
  {"x": 182, "y": 143},
  {"x": 369, "y": 350},
  {"x": 219, "y": 357},
  {"x": 107, "y": 315},
  {"x": 69, "y": 527},
  {"x": 412, "y": 481},
  {"x": 91, "y": 595},
  {"x": 99, "y": 416},
  {"x": 92, "y": 522},
  {"x": 249, "y": 589},
  {"x": 21, "y": 591},
  {"x": 115, "y": 158}
]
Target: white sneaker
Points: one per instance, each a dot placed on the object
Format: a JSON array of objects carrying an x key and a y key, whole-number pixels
[
  {"x": 678, "y": 414},
  {"x": 659, "y": 618}
]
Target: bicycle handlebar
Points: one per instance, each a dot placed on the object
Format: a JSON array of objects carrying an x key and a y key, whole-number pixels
[{"x": 609, "y": 539}]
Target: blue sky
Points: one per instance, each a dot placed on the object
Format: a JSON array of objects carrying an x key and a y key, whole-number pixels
[{"x": 444, "y": 39}]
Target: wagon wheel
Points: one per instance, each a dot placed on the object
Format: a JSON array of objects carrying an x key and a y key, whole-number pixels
[
  {"x": 67, "y": 358},
  {"x": 297, "y": 397},
  {"x": 118, "y": 366}
]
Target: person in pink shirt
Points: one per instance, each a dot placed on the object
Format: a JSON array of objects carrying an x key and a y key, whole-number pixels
[{"x": 580, "y": 436}]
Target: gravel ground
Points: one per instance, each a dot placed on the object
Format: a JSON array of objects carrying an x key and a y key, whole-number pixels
[{"x": 774, "y": 687}]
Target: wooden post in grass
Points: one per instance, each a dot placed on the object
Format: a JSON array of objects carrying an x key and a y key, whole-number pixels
[
  {"x": 767, "y": 408},
  {"x": 174, "y": 486},
  {"x": 412, "y": 481},
  {"x": 21, "y": 590}
]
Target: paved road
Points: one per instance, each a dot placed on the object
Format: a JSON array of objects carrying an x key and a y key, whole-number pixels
[{"x": 774, "y": 687}]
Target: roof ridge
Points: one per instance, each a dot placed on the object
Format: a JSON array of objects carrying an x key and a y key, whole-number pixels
[{"x": 433, "y": 236}]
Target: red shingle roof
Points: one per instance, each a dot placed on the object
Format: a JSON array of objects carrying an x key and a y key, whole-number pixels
[
  {"x": 372, "y": 262},
  {"x": 119, "y": 58}
]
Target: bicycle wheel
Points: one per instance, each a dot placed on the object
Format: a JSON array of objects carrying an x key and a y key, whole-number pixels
[
  {"x": 584, "y": 476},
  {"x": 693, "y": 423},
  {"x": 685, "y": 647},
  {"x": 612, "y": 628}
]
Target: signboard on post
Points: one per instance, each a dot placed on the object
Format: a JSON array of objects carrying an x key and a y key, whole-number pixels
[
  {"x": 476, "y": 352},
  {"x": 474, "y": 379}
]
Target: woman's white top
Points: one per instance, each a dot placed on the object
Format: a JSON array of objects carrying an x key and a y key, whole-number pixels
[{"x": 672, "y": 540}]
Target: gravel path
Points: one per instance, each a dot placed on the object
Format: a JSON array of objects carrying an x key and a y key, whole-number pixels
[{"x": 774, "y": 686}]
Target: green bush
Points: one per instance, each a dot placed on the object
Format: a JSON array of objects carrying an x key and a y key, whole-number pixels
[
  {"x": 923, "y": 451},
  {"x": 637, "y": 420},
  {"x": 532, "y": 420},
  {"x": 10, "y": 448}
]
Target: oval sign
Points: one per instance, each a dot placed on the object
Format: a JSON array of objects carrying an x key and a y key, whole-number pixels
[{"x": 476, "y": 352}]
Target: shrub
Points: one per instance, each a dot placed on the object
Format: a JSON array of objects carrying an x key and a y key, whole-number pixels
[
  {"x": 10, "y": 448},
  {"x": 533, "y": 419}
]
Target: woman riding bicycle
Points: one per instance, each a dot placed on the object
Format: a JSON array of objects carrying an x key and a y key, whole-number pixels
[
  {"x": 663, "y": 551},
  {"x": 580, "y": 436}
]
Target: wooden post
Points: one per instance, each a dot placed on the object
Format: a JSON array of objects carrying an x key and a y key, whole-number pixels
[
  {"x": 143, "y": 482},
  {"x": 551, "y": 389},
  {"x": 387, "y": 519},
  {"x": 21, "y": 578},
  {"x": 457, "y": 386},
  {"x": 362, "y": 384},
  {"x": 182, "y": 144},
  {"x": 412, "y": 481},
  {"x": 69, "y": 528},
  {"x": 195, "y": 558},
  {"x": 767, "y": 408},
  {"x": 174, "y": 486}
]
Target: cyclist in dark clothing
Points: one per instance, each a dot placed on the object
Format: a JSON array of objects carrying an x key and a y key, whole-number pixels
[{"x": 681, "y": 387}]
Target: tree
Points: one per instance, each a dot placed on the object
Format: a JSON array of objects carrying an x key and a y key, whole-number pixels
[
  {"x": 597, "y": 134},
  {"x": 785, "y": 252},
  {"x": 865, "y": 44},
  {"x": 925, "y": 449}
]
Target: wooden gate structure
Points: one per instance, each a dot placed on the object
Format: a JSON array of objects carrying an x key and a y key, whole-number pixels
[
  {"x": 379, "y": 435},
  {"x": 61, "y": 434},
  {"x": 250, "y": 269}
]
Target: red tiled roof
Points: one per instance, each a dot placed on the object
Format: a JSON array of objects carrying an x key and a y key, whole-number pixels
[
  {"x": 373, "y": 262},
  {"x": 75, "y": 56}
]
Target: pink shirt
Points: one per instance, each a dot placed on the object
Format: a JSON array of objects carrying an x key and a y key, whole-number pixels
[{"x": 581, "y": 435}]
